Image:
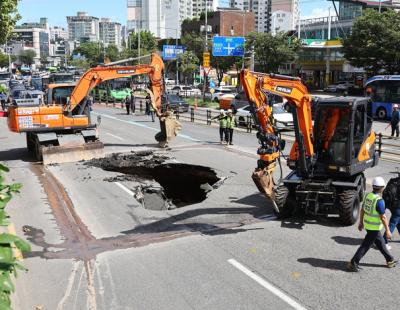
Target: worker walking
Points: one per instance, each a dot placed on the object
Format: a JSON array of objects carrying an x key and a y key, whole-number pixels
[
  {"x": 132, "y": 102},
  {"x": 128, "y": 105},
  {"x": 151, "y": 111},
  {"x": 230, "y": 125},
  {"x": 373, "y": 219},
  {"x": 222, "y": 118},
  {"x": 394, "y": 121}
]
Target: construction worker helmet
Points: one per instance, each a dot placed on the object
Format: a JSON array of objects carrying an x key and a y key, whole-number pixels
[
  {"x": 378, "y": 182},
  {"x": 229, "y": 111},
  {"x": 222, "y": 111}
]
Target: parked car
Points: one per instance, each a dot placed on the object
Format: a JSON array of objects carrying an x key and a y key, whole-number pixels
[
  {"x": 339, "y": 87},
  {"x": 189, "y": 91},
  {"x": 283, "y": 119},
  {"x": 176, "y": 103},
  {"x": 222, "y": 92},
  {"x": 169, "y": 82}
]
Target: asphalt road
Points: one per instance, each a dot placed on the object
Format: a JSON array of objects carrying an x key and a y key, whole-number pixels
[{"x": 96, "y": 247}]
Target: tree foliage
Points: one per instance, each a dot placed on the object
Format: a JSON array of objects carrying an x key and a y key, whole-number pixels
[
  {"x": 374, "y": 42},
  {"x": 272, "y": 51},
  {"x": 3, "y": 60},
  {"x": 27, "y": 57},
  {"x": 224, "y": 64},
  {"x": 96, "y": 53},
  {"x": 188, "y": 63},
  {"x": 148, "y": 42},
  {"x": 8, "y": 18}
]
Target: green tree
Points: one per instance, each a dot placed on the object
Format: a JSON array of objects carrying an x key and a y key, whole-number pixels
[
  {"x": 272, "y": 51},
  {"x": 3, "y": 60},
  {"x": 195, "y": 43},
  {"x": 148, "y": 42},
  {"x": 92, "y": 51},
  {"x": 27, "y": 57},
  {"x": 80, "y": 63},
  {"x": 112, "y": 52},
  {"x": 223, "y": 64},
  {"x": 8, "y": 17},
  {"x": 374, "y": 42},
  {"x": 188, "y": 63}
]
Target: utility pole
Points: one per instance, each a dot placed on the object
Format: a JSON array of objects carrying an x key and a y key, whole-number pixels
[
  {"x": 380, "y": 5},
  {"x": 244, "y": 51},
  {"x": 139, "y": 31},
  {"x": 328, "y": 52},
  {"x": 205, "y": 50},
  {"x": 176, "y": 48}
]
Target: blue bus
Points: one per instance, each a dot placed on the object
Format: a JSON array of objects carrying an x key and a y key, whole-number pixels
[{"x": 384, "y": 91}]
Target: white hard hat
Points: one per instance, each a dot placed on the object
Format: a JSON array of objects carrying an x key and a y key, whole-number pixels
[
  {"x": 229, "y": 111},
  {"x": 222, "y": 111},
  {"x": 395, "y": 106},
  {"x": 378, "y": 182}
]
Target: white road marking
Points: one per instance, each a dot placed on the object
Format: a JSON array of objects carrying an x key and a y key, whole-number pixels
[
  {"x": 267, "y": 285},
  {"x": 124, "y": 188},
  {"x": 143, "y": 126},
  {"x": 114, "y": 136},
  {"x": 71, "y": 280}
]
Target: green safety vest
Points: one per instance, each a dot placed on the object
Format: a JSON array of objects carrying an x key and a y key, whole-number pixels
[
  {"x": 223, "y": 121},
  {"x": 372, "y": 219},
  {"x": 230, "y": 122}
]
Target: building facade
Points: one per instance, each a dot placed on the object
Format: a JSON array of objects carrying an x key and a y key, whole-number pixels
[
  {"x": 110, "y": 32},
  {"x": 32, "y": 36},
  {"x": 164, "y": 18},
  {"x": 225, "y": 22},
  {"x": 260, "y": 8},
  {"x": 285, "y": 15},
  {"x": 58, "y": 33},
  {"x": 83, "y": 27}
]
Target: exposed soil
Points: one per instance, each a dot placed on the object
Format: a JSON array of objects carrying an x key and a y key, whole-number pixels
[{"x": 162, "y": 184}]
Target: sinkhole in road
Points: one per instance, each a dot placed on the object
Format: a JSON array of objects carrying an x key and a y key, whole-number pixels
[{"x": 158, "y": 183}]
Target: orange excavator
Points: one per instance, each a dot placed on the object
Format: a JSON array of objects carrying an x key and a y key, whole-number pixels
[
  {"x": 327, "y": 159},
  {"x": 61, "y": 130}
]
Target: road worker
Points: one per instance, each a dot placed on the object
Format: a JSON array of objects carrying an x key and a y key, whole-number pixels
[
  {"x": 222, "y": 118},
  {"x": 230, "y": 125},
  {"x": 373, "y": 219}
]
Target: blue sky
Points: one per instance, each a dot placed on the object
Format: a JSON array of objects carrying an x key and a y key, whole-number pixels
[{"x": 56, "y": 10}]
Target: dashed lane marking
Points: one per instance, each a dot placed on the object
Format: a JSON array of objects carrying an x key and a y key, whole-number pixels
[
  {"x": 294, "y": 304},
  {"x": 114, "y": 136}
]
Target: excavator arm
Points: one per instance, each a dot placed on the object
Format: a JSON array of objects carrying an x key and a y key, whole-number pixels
[
  {"x": 98, "y": 75},
  {"x": 258, "y": 87}
]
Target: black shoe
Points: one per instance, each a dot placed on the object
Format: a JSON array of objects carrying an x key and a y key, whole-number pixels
[{"x": 352, "y": 267}]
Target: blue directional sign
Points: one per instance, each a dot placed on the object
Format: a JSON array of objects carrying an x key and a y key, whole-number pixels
[
  {"x": 228, "y": 46},
  {"x": 171, "y": 51}
]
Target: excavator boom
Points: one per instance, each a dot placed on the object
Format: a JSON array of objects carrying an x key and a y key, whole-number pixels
[{"x": 61, "y": 131}]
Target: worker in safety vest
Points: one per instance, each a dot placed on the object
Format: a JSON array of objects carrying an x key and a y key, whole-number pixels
[
  {"x": 223, "y": 132},
  {"x": 230, "y": 125},
  {"x": 373, "y": 219}
]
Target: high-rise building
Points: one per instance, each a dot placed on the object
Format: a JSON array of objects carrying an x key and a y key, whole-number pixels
[
  {"x": 33, "y": 36},
  {"x": 261, "y": 10},
  {"x": 164, "y": 18},
  {"x": 110, "y": 32},
  {"x": 58, "y": 33},
  {"x": 285, "y": 15},
  {"x": 83, "y": 27}
]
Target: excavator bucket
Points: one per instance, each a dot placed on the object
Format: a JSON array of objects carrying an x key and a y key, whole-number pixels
[
  {"x": 72, "y": 148},
  {"x": 169, "y": 125},
  {"x": 263, "y": 178}
]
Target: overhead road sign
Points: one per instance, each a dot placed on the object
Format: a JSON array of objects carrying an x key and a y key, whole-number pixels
[
  {"x": 171, "y": 52},
  {"x": 228, "y": 46}
]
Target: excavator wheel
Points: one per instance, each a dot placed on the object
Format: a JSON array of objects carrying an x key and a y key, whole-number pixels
[
  {"x": 348, "y": 202},
  {"x": 285, "y": 201}
]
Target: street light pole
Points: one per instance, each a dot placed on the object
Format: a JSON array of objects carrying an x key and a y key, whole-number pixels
[
  {"x": 205, "y": 50},
  {"x": 244, "y": 51}
]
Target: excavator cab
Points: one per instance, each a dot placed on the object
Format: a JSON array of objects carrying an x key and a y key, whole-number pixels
[{"x": 344, "y": 141}]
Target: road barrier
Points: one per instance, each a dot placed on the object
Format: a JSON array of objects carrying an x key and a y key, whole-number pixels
[{"x": 388, "y": 147}]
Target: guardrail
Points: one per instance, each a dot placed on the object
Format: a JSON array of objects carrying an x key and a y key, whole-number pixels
[{"x": 388, "y": 147}]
